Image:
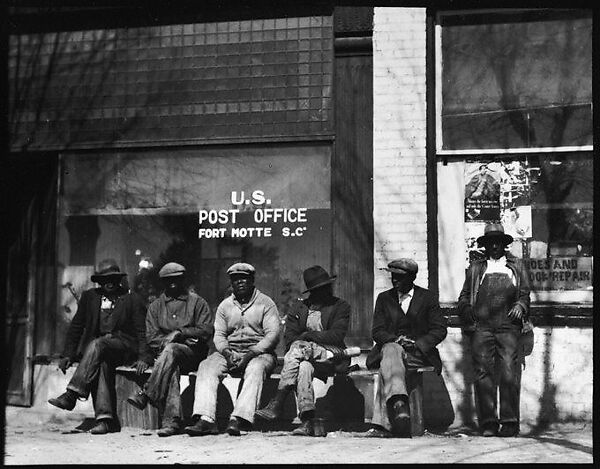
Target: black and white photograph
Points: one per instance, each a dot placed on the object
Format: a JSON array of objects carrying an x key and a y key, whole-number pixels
[{"x": 297, "y": 233}]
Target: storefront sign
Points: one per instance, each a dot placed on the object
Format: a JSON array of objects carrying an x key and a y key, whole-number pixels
[
  {"x": 264, "y": 217},
  {"x": 560, "y": 273}
]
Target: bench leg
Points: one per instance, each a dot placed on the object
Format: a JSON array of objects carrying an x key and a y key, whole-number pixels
[{"x": 417, "y": 425}]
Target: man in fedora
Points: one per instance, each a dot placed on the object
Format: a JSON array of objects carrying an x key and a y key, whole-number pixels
[
  {"x": 494, "y": 301},
  {"x": 109, "y": 322},
  {"x": 407, "y": 326},
  {"x": 179, "y": 327},
  {"x": 314, "y": 337},
  {"x": 246, "y": 332}
]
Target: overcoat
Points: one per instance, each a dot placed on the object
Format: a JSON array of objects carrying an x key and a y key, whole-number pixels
[
  {"x": 428, "y": 326},
  {"x": 129, "y": 324}
]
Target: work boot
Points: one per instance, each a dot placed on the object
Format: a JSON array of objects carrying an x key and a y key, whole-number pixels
[
  {"x": 201, "y": 428},
  {"x": 489, "y": 429},
  {"x": 346, "y": 353},
  {"x": 509, "y": 429},
  {"x": 305, "y": 429},
  {"x": 66, "y": 400},
  {"x": 233, "y": 427},
  {"x": 103, "y": 427},
  {"x": 377, "y": 432},
  {"x": 274, "y": 408},
  {"x": 170, "y": 429},
  {"x": 399, "y": 417},
  {"x": 139, "y": 400}
]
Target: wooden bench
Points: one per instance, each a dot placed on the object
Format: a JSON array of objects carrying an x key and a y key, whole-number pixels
[{"x": 364, "y": 383}]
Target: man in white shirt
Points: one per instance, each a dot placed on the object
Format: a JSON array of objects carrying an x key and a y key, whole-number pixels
[
  {"x": 407, "y": 326},
  {"x": 494, "y": 302}
]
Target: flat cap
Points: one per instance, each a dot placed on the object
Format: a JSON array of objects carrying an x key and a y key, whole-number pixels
[
  {"x": 171, "y": 269},
  {"x": 241, "y": 268},
  {"x": 402, "y": 266}
]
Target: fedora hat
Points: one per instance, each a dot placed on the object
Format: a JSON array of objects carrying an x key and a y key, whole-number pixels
[
  {"x": 494, "y": 231},
  {"x": 107, "y": 268},
  {"x": 315, "y": 277}
]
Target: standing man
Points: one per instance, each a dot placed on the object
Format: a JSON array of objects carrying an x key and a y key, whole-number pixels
[
  {"x": 246, "y": 333},
  {"x": 495, "y": 299},
  {"x": 314, "y": 337},
  {"x": 179, "y": 326},
  {"x": 110, "y": 324},
  {"x": 407, "y": 326}
]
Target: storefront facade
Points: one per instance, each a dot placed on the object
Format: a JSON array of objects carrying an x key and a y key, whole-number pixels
[{"x": 312, "y": 135}]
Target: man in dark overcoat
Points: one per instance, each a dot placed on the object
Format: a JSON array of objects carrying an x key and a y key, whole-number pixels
[
  {"x": 494, "y": 301},
  {"x": 407, "y": 326},
  {"x": 110, "y": 325},
  {"x": 314, "y": 336}
]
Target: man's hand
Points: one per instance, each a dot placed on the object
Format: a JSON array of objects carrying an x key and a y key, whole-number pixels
[
  {"x": 516, "y": 312},
  {"x": 140, "y": 366},
  {"x": 64, "y": 363},
  {"x": 243, "y": 362},
  {"x": 190, "y": 341},
  {"x": 406, "y": 342},
  {"x": 232, "y": 358}
]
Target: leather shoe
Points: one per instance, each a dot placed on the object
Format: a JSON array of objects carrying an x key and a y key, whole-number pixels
[
  {"x": 66, "y": 400},
  {"x": 489, "y": 429},
  {"x": 233, "y": 427},
  {"x": 400, "y": 418},
  {"x": 201, "y": 428},
  {"x": 103, "y": 427},
  {"x": 509, "y": 429},
  {"x": 139, "y": 400},
  {"x": 377, "y": 433},
  {"x": 169, "y": 430},
  {"x": 305, "y": 429}
]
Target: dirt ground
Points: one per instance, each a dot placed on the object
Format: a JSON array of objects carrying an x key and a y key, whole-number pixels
[{"x": 35, "y": 438}]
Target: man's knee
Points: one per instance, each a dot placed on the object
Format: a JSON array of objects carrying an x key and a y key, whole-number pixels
[
  {"x": 306, "y": 369},
  {"x": 257, "y": 368},
  {"x": 392, "y": 349},
  {"x": 97, "y": 345}
]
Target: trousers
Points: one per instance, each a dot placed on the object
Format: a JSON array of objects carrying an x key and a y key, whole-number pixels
[
  {"x": 395, "y": 362},
  {"x": 298, "y": 370},
  {"x": 162, "y": 388},
  {"x": 95, "y": 373},
  {"x": 210, "y": 373}
]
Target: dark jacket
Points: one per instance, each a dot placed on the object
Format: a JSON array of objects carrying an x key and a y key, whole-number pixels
[
  {"x": 335, "y": 318},
  {"x": 427, "y": 324},
  {"x": 468, "y": 294},
  {"x": 129, "y": 324}
]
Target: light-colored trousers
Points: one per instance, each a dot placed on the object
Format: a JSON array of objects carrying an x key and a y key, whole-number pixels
[{"x": 210, "y": 373}]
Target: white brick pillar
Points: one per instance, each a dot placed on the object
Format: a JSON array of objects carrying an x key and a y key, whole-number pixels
[{"x": 399, "y": 137}]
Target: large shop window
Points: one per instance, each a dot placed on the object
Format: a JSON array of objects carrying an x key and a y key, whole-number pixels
[
  {"x": 514, "y": 144},
  {"x": 205, "y": 208}
]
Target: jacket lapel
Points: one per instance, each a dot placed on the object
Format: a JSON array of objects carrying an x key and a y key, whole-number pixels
[
  {"x": 94, "y": 306},
  {"x": 394, "y": 309},
  {"x": 415, "y": 304}
]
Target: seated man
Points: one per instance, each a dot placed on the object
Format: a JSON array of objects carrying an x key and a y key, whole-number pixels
[
  {"x": 246, "y": 333},
  {"x": 110, "y": 323},
  {"x": 407, "y": 326},
  {"x": 314, "y": 337},
  {"x": 179, "y": 326}
]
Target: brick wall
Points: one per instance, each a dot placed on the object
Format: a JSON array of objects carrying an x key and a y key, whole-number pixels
[
  {"x": 558, "y": 380},
  {"x": 399, "y": 127}
]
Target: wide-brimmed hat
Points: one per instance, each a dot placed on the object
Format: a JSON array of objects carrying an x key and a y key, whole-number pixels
[
  {"x": 315, "y": 277},
  {"x": 107, "y": 268},
  {"x": 171, "y": 269},
  {"x": 242, "y": 268},
  {"x": 494, "y": 231},
  {"x": 402, "y": 266}
]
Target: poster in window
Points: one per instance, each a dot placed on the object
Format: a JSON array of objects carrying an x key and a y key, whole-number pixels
[{"x": 482, "y": 192}]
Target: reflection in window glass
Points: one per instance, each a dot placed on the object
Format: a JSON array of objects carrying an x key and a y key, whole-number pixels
[
  {"x": 516, "y": 80},
  {"x": 143, "y": 210}
]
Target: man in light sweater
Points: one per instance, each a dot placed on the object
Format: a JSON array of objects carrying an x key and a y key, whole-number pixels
[{"x": 246, "y": 332}]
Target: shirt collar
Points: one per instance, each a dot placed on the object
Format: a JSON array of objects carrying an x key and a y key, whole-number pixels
[
  {"x": 182, "y": 297},
  {"x": 250, "y": 301},
  {"x": 501, "y": 261},
  {"x": 409, "y": 294}
]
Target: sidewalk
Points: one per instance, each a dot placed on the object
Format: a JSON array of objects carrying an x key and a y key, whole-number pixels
[{"x": 35, "y": 438}]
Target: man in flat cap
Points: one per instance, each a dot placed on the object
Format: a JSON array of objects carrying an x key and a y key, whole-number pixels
[
  {"x": 314, "y": 338},
  {"x": 407, "y": 326},
  {"x": 109, "y": 323},
  {"x": 494, "y": 302},
  {"x": 179, "y": 327},
  {"x": 246, "y": 332}
]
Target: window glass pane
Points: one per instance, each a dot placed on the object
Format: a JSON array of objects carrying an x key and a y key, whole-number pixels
[
  {"x": 516, "y": 80},
  {"x": 144, "y": 208}
]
